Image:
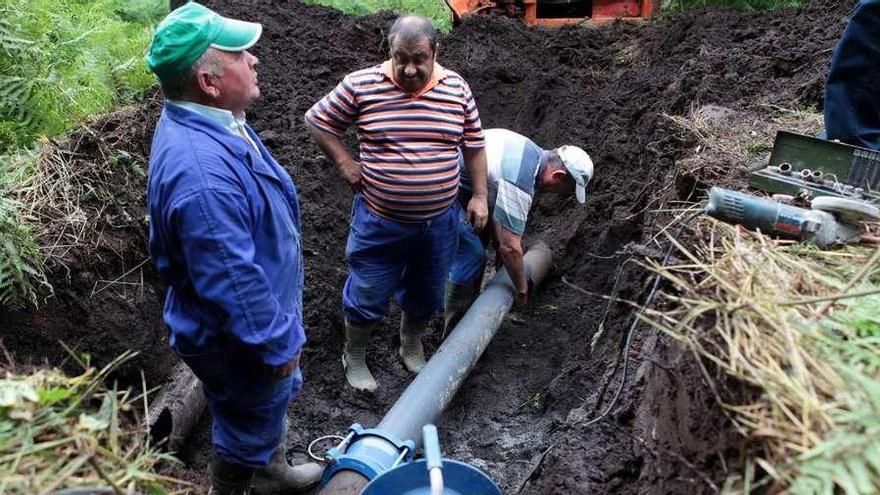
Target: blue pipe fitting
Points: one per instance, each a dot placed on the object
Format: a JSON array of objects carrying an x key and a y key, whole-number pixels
[{"x": 368, "y": 452}]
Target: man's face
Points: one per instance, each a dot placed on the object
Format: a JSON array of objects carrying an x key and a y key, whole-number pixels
[
  {"x": 413, "y": 63},
  {"x": 237, "y": 85}
]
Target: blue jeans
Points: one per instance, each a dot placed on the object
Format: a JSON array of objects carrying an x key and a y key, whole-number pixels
[
  {"x": 248, "y": 407},
  {"x": 408, "y": 260},
  {"x": 852, "y": 92},
  {"x": 470, "y": 255}
]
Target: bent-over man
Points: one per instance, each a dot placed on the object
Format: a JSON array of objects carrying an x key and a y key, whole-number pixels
[{"x": 518, "y": 169}]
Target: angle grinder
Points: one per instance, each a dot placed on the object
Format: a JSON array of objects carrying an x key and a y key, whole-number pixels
[{"x": 829, "y": 221}]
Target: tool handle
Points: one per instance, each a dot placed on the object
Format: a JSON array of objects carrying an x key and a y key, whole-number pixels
[
  {"x": 432, "y": 447},
  {"x": 433, "y": 458}
]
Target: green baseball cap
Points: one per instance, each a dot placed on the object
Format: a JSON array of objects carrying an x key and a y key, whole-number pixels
[{"x": 187, "y": 32}]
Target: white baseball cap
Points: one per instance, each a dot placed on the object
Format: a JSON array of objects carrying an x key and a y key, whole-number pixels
[{"x": 579, "y": 166}]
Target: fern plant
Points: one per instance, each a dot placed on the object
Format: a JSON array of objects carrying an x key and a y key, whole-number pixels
[
  {"x": 62, "y": 60},
  {"x": 849, "y": 459},
  {"x": 19, "y": 258}
]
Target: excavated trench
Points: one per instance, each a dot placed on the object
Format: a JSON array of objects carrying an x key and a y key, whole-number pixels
[{"x": 523, "y": 412}]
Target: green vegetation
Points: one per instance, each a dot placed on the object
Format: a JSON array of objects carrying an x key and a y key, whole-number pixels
[
  {"x": 435, "y": 10},
  {"x": 800, "y": 326},
  {"x": 61, "y": 61},
  {"x": 61, "y": 432},
  {"x": 745, "y": 5}
]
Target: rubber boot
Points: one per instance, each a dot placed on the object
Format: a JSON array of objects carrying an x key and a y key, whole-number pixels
[
  {"x": 411, "y": 350},
  {"x": 458, "y": 299},
  {"x": 230, "y": 479},
  {"x": 354, "y": 357},
  {"x": 280, "y": 478}
]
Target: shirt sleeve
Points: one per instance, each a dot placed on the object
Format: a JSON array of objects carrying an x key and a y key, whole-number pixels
[
  {"x": 213, "y": 227},
  {"x": 512, "y": 207},
  {"x": 473, "y": 129},
  {"x": 335, "y": 112}
]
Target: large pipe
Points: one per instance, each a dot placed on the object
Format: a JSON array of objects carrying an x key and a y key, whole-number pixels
[
  {"x": 431, "y": 391},
  {"x": 435, "y": 386},
  {"x": 177, "y": 409}
]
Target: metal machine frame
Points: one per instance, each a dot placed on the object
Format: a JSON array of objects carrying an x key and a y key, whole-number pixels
[{"x": 601, "y": 10}]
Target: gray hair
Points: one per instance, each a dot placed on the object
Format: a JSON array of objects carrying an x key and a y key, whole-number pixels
[
  {"x": 182, "y": 86},
  {"x": 412, "y": 28}
]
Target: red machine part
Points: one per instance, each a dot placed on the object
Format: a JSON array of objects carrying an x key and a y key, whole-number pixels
[{"x": 602, "y": 10}]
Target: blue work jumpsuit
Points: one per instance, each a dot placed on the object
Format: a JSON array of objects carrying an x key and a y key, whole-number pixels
[
  {"x": 852, "y": 93},
  {"x": 225, "y": 235}
]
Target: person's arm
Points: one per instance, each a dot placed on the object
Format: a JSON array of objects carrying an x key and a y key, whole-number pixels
[
  {"x": 510, "y": 247},
  {"x": 349, "y": 168},
  {"x": 327, "y": 122},
  {"x": 214, "y": 230},
  {"x": 474, "y": 153},
  {"x": 477, "y": 208}
]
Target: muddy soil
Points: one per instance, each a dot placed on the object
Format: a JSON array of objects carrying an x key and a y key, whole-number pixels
[{"x": 522, "y": 414}]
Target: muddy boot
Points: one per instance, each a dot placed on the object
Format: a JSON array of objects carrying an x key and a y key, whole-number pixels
[
  {"x": 354, "y": 357},
  {"x": 411, "y": 350},
  {"x": 230, "y": 479},
  {"x": 280, "y": 478},
  {"x": 458, "y": 299}
]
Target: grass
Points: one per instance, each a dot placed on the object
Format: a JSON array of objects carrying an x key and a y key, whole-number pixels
[
  {"x": 435, "y": 10},
  {"x": 61, "y": 61},
  {"x": 798, "y": 326},
  {"x": 67, "y": 432},
  {"x": 744, "y": 5}
]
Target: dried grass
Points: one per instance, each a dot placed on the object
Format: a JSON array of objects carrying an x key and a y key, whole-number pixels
[
  {"x": 61, "y": 432},
  {"x": 728, "y": 142},
  {"x": 799, "y": 326}
]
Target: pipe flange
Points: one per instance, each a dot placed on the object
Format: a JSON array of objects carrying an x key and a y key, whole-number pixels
[{"x": 368, "y": 452}]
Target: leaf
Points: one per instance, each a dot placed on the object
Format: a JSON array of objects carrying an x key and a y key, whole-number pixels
[
  {"x": 89, "y": 422},
  {"x": 52, "y": 395},
  {"x": 15, "y": 392}
]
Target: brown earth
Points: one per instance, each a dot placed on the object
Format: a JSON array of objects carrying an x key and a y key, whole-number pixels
[{"x": 608, "y": 89}]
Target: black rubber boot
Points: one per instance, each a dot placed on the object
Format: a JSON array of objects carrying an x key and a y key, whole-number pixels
[
  {"x": 354, "y": 357},
  {"x": 280, "y": 478},
  {"x": 457, "y": 301},
  {"x": 231, "y": 479},
  {"x": 411, "y": 350}
]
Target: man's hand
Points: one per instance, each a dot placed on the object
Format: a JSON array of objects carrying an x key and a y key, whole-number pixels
[
  {"x": 283, "y": 371},
  {"x": 477, "y": 212},
  {"x": 350, "y": 171}
]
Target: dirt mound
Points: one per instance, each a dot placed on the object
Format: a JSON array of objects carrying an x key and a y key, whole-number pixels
[
  {"x": 90, "y": 202},
  {"x": 607, "y": 89}
]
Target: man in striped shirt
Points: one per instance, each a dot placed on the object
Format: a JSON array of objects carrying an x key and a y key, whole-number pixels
[
  {"x": 412, "y": 117},
  {"x": 518, "y": 169}
]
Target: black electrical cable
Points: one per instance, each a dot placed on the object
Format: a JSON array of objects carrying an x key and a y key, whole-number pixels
[{"x": 624, "y": 351}]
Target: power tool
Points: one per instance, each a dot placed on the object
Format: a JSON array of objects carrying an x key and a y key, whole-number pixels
[{"x": 829, "y": 221}]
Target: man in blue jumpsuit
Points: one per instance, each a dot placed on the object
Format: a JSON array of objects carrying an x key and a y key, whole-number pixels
[
  {"x": 852, "y": 94},
  {"x": 225, "y": 235}
]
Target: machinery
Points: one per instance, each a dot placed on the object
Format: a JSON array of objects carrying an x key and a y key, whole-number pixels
[
  {"x": 815, "y": 167},
  {"x": 839, "y": 183},
  {"x": 558, "y": 12},
  {"x": 830, "y": 221},
  {"x": 380, "y": 461}
]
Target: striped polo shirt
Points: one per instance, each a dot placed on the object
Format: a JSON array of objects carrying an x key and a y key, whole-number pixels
[
  {"x": 408, "y": 143},
  {"x": 514, "y": 165}
]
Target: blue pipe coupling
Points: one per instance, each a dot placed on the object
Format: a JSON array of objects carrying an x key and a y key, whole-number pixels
[{"x": 368, "y": 452}]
